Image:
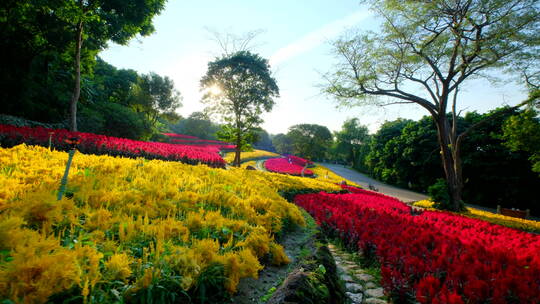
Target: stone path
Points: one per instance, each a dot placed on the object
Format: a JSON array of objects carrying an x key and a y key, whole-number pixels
[{"x": 361, "y": 287}]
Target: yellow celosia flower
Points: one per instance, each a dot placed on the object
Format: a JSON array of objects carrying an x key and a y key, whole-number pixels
[
  {"x": 118, "y": 267},
  {"x": 278, "y": 254}
]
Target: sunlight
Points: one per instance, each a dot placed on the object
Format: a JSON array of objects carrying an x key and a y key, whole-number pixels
[{"x": 215, "y": 90}]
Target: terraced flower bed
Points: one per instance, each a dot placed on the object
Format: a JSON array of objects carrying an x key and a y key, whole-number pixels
[
  {"x": 282, "y": 165},
  {"x": 114, "y": 146},
  {"x": 433, "y": 257}
]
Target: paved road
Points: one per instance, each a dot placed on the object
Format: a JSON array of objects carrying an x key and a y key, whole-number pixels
[{"x": 364, "y": 181}]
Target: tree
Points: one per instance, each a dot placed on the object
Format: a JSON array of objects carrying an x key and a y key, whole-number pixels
[
  {"x": 239, "y": 88},
  {"x": 95, "y": 22},
  {"x": 423, "y": 54},
  {"x": 310, "y": 141},
  {"x": 264, "y": 142},
  {"x": 282, "y": 143},
  {"x": 197, "y": 124},
  {"x": 155, "y": 96},
  {"x": 352, "y": 141},
  {"x": 522, "y": 133}
]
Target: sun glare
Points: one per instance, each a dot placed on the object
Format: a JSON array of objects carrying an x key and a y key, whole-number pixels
[{"x": 215, "y": 89}]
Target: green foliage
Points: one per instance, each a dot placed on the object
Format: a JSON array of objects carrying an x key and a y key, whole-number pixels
[
  {"x": 310, "y": 141},
  {"x": 114, "y": 120},
  {"x": 154, "y": 95},
  {"x": 39, "y": 41},
  {"x": 522, "y": 133},
  {"x": 282, "y": 143},
  {"x": 352, "y": 144},
  {"x": 438, "y": 193},
  {"x": 246, "y": 90},
  {"x": 197, "y": 124}
]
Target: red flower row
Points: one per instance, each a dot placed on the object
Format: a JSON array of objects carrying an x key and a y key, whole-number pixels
[
  {"x": 282, "y": 165},
  {"x": 101, "y": 144},
  {"x": 437, "y": 257}
]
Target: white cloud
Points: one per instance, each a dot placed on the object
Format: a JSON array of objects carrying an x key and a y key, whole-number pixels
[{"x": 317, "y": 37}]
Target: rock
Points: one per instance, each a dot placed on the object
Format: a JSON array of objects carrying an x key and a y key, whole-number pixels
[
  {"x": 250, "y": 168},
  {"x": 347, "y": 278},
  {"x": 370, "y": 285},
  {"x": 353, "y": 287},
  {"x": 355, "y": 297},
  {"x": 375, "y": 292},
  {"x": 374, "y": 301},
  {"x": 364, "y": 277},
  {"x": 354, "y": 268}
]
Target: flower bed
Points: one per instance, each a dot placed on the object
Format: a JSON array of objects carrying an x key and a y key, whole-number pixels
[
  {"x": 298, "y": 160},
  {"x": 114, "y": 146},
  {"x": 133, "y": 230},
  {"x": 282, "y": 165},
  {"x": 435, "y": 257}
]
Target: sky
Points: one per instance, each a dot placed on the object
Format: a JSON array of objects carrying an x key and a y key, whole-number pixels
[{"x": 296, "y": 37}]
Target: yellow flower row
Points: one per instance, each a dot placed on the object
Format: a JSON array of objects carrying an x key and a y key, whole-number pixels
[
  {"x": 324, "y": 174},
  {"x": 133, "y": 220},
  {"x": 503, "y": 220},
  {"x": 244, "y": 156}
]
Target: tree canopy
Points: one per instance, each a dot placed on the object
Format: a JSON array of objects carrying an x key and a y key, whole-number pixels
[
  {"x": 48, "y": 44},
  {"x": 425, "y": 51},
  {"x": 352, "y": 142},
  {"x": 310, "y": 141},
  {"x": 239, "y": 88}
]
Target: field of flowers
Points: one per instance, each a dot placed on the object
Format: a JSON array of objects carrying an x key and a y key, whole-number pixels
[
  {"x": 247, "y": 156},
  {"x": 106, "y": 145},
  {"x": 433, "y": 257},
  {"x": 135, "y": 229},
  {"x": 282, "y": 165}
]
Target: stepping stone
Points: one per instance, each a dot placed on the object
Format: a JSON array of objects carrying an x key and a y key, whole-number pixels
[
  {"x": 374, "y": 301},
  {"x": 375, "y": 292},
  {"x": 370, "y": 285},
  {"x": 355, "y": 297},
  {"x": 364, "y": 277},
  {"x": 347, "y": 278},
  {"x": 353, "y": 287}
]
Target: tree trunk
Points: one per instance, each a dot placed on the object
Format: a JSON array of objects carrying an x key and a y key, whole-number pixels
[
  {"x": 77, "y": 89},
  {"x": 236, "y": 162},
  {"x": 451, "y": 163}
]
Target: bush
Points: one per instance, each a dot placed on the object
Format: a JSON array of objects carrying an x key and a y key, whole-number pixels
[{"x": 438, "y": 193}]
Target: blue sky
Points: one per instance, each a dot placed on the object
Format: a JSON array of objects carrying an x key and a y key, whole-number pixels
[{"x": 296, "y": 39}]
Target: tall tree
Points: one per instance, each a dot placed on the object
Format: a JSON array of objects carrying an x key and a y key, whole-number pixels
[
  {"x": 155, "y": 96},
  {"x": 282, "y": 143},
  {"x": 310, "y": 140},
  {"x": 425, "y": 51},
  {"x": 95, "y": 22},
  {"x": 352, "y": 141},
  {"x": 239, "y": 87}
]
